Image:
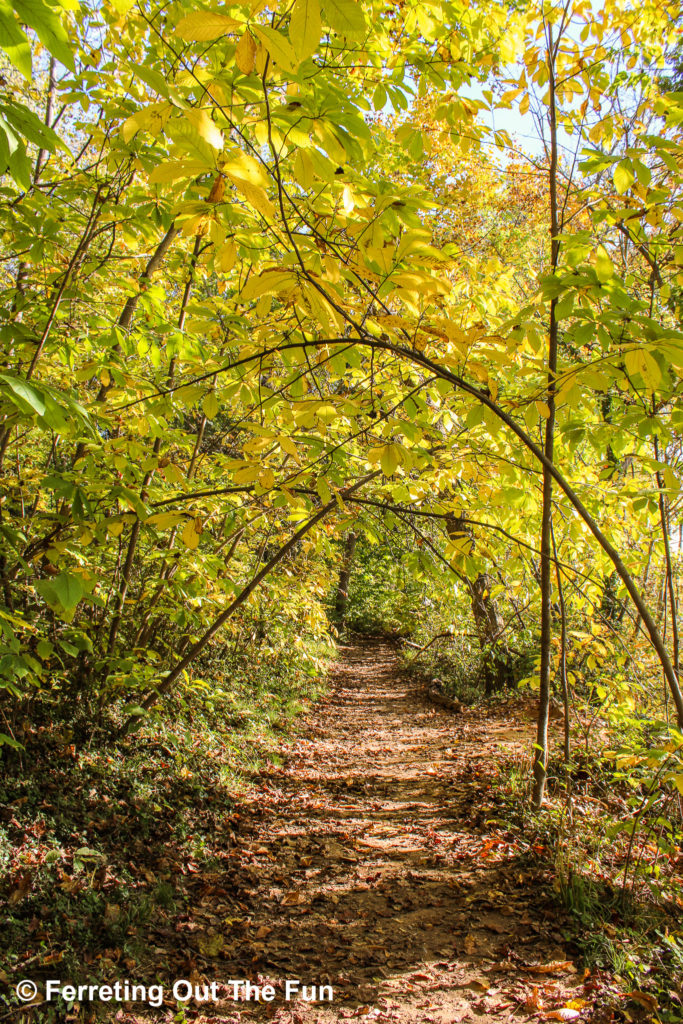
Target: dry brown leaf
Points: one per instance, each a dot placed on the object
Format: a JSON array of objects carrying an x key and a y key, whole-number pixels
[
  {"x": 643, "y": 999},
  {"x": 217, "y": 190},
  {"x": 292, "y": 899},
  {"x": 563, "y": 1014},
  {"x": 470, "y": 943},
  {"x": 552, "y": 968}
]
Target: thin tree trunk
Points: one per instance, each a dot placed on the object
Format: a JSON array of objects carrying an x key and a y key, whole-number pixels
[
  {"x": 564, "y": 682},
  {"x": 541, "y": 750},
  {"x": 663, "y": 518}
]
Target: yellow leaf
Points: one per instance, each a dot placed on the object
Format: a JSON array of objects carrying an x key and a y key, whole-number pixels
[
  {"x": 305, "y": 28},
  {"x": 245, "y": 53},
  {"x": 604, "y": 267},
  {"x": 239, "y": 164},
  {"x": 268, "y": 282},
  {"x": 278, "y": 47},
  {"x": 172, "y": 170},
  {"x": 391, "y": 458},
  {"x": 191, "y": 534},
  {"x": 165, "y": 520},
  {"x": 323, "y": 490},
  {"x": 543, "y": 410},
  {"x": 247, "y": 473},
  {"x": 255, "y": 196},
  {"x": 303, "y": 169},
  {"x": 210, "y": 405},
  {"x": 227, "y": 255},
  {"x": 650, "y": 371},
  {"x": 288, "y": 446},
  {"x": 203, "y": 26},
  {"x": 345, "y": 17},
  {"x": 202, "y": 123},
  {"x": 151, "y": 119},
  {"x": 623, "y": 176}
]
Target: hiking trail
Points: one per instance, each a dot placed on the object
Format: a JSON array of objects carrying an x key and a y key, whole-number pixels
[{"x": 369, "y": 862}]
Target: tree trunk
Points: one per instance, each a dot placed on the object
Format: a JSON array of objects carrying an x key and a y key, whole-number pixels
[
  {"x": 490, "y": 626},
  {"x": 541, "y": 750}
]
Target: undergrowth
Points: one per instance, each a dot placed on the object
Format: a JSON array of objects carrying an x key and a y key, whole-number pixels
[
  {"x": 101, "y": 843},
  {"x": 622, "y": 895}
]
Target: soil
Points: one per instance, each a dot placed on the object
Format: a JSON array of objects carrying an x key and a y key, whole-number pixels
[{"x": 372, "y": 862}]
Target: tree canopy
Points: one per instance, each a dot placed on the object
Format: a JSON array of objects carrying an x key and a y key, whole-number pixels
[{"x": 275, "y": 275}]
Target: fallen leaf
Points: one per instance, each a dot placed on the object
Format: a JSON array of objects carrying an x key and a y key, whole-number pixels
[
  {"x": 643, "y": 999},
  {"x": 470, "y": 943},
  {"x": 552, "y": 968},
  {"x": 211, "y": 945},
  {"x": 564, "y": 1014},
  {"x": 291, "y": 899}
]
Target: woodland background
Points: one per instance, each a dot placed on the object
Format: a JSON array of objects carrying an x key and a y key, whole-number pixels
[{"x": 326, "y": 317}]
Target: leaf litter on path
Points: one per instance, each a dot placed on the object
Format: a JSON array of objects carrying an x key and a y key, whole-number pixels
[{"x": 372, "y": 861}]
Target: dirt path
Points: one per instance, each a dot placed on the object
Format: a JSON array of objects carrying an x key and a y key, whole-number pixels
[{"x": 367, "y": 863}]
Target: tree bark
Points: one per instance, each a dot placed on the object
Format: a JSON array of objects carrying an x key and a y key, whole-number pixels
[
  {"x": 541, "y": 749},
  {"x": 490, "y": 626}
]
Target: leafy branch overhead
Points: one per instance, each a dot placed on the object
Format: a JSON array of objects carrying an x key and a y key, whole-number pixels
[{"x": 278, "y": 276}]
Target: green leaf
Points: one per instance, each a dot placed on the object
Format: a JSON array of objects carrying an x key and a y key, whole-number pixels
[
  {"x": 26, "y": 393},
  {"x": 9, "y": 741},
  {"x": 29, "y": 125},
  {"x": 69, "y": 589},
  {"x": 62, "y": 593},
  {"x": 14, "y": 40},
  {"x": 47, "y": 25}
]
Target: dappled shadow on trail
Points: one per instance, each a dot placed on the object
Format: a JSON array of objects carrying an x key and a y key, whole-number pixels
[{"x": 373, "y": 862}]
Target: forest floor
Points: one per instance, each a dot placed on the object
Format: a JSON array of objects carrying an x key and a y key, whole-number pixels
[
  {"x": 387, "y": 856},
  {"x": 372, "y": 861}
]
